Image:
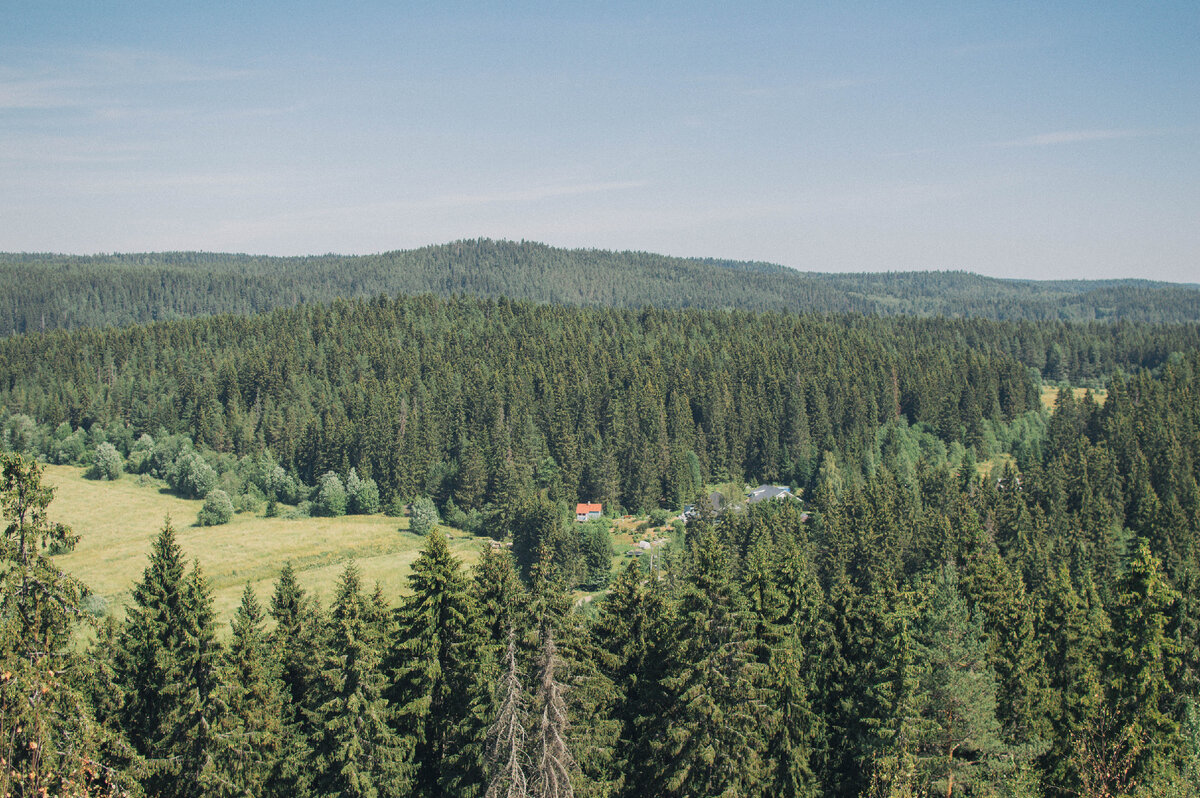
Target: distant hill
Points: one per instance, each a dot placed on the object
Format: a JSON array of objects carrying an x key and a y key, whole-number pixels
[{"x": 46, "y": 291}]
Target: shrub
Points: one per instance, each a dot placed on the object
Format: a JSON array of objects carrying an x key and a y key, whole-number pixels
[
  {"x": 192, "y": 477},
  {"x": 362, "y": 494},
  {"x": 331, "y": 496},
  {"x": 107, "y": 463},
  {"x": 424, "y": 516},
  {"x": 217, "y": 509}
]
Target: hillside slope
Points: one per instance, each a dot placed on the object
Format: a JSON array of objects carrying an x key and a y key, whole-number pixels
[{"x": 41, "y": 292}]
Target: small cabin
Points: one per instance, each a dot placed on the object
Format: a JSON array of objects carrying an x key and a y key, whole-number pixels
[{"x": 588, "y": 511}]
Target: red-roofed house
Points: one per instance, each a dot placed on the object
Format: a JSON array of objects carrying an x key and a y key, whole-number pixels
[{"x": 586, "y": 512}]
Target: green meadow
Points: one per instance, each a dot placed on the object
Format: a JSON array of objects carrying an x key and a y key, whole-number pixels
[{"x": 118, "y": 521}]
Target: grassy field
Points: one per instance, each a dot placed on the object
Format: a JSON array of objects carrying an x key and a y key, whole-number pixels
[
  {"x": 1050, "y": 395},
  {"x": 117, "y": 522}
]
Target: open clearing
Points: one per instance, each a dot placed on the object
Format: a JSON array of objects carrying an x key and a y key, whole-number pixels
[
  {"x": 1049, "y": 395},
  {"x": 118, "y": 521}
]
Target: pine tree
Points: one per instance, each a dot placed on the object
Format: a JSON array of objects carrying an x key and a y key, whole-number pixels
[
  {"x": 355, "y": 752},
  {"x": 252, "y": 741},
  {"x": 1140, "y": 658},
  {"x": 437, "y": 662},
  {"x": 709, "y": 740},
  {"x": 958, "y": 735},
  {"x": 295, "y": 642},
  {"x": 149, "y": 641}
]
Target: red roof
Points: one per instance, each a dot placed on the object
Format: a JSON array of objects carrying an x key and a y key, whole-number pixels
[{"x": 584, "y": 508}]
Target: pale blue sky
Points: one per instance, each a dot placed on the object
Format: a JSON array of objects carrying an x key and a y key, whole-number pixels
[{"x": 1015, "y": 139}]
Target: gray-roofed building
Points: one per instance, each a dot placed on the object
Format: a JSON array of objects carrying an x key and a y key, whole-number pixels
[{"x": 764, "y": 492}]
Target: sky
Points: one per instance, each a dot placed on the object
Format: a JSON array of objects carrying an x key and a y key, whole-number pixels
[{"x": 1015, "y": 139}]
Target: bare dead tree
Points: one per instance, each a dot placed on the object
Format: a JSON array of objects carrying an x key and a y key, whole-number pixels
[
  {"x": 555, "y": 763},
  {"x": 506, "y": 737}
]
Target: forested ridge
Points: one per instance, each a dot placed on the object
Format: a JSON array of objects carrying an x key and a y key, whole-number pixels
[{"x": 46, "y": 291}]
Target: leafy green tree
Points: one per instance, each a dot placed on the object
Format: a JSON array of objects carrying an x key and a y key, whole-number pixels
[
  {"x": 424, "y": 517},
  {"x": 362, "y": 494},
  {"x": 107, "y": 462},
  {"x": 330, "y": 499},
  {"x": 50, "y": 739},
  {"x": 191, "y": 476},
  {"x": 217, "y": 509}
]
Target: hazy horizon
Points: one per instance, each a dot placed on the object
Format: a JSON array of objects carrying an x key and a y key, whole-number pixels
[{"x": 1007, "y": 140}]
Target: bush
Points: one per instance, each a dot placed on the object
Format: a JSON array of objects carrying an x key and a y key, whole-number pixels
[
  {"x": 107, "y": 463},
  {"x": 331, "y": 496},
  {"x": 217, "y": 509},
  {"x": 362, "y": 494},
  {"x": 424, "y": 516},
  {"x": 247, "y": 502},
  {"x": 192, "y": 477}
]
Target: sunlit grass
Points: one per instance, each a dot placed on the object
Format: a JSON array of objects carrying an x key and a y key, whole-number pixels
[{"x": 118, "y": 521}]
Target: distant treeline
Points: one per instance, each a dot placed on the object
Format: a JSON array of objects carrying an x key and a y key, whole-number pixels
[
  {"x": 43, "y": 291},
  {"x": 476, "y": 399}
]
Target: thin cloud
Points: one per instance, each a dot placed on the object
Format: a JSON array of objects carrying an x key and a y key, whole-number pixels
[
  {"x": 54, "y": 81},
  {"x": 1060, "y": 137}
]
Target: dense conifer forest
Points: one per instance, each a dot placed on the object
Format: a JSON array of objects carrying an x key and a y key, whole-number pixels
[
  {"x": 919, "y": 625},
  {"x": 43, "y": 292}
]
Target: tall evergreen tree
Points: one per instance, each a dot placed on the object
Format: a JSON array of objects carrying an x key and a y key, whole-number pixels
[
  {"x": 254, "y": 736},
  {"x": 1141, "y": 657},
  {"x": 438, "y": 674},
  {"x": 355, "y": 752},
  {"x": 957, "y": 735},
  {"x": 709, "y": 741}
]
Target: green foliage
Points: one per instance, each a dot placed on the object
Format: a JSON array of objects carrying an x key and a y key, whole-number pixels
[
  {"x": 166, "y": 664},
  {"x": 439, "y": 672},
  {"x": 217, "y": 509},
  {"x": 424, "y": 517},
  {"x": 107, "y": 462},
  {"x": 191, "y": 476},
  {"x": 330, "y": 498},
  {"x": 355, "y": 753},
  {"x": 362, "y": 495},
  {"x": 51, "y": 741}
]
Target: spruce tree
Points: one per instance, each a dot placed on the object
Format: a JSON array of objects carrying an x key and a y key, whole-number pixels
[
  {"x": 254, "y": 734},
  {"x": 437, "y": 672},
  {"x": 1141, "y": 657},
  {"x": 295, "y": 643},
  {"x": 957, "y": 735},
  {"x": 709, "y": 740},
  {"x": 507, "y": 761},
  {"x": 355, "y": 752}
]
